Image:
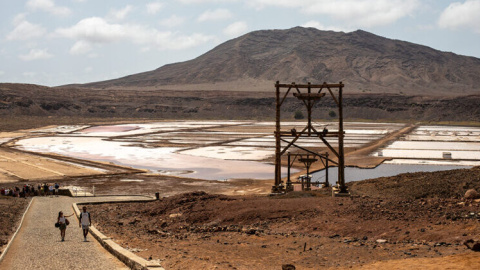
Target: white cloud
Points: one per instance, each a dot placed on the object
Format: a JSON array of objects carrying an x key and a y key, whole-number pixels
[
  {"x": 154, "y": 7},
  {"x": 80, "y": 47},
  {"x": 261, "y": 4},
  {"x": 48, "y": 6},
  {"x": 36, "y": 54},
  {"x": 215, "y": 15},
  {"x": 359, "y": 13},
  {"x": 320, "y": 26},
  {"x": 235, "y": 29},
  {"x": 88, "y": 69},
  {"x": 119, "y": 14},
  {"x": 461, "y": 15},
  {"x": 25, "y": 30},
  {"x": 19, "y": 18},
  {"x": 206, "y": 1},
  {"x": 2, "y": 72},
  {"x": 97, "y": 30},
  {"x": 94, "y": 30},
  {"x": 172, "y": 21}
]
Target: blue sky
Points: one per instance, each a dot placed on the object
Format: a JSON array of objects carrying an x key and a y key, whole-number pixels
[{"x": 53, "y": 42}]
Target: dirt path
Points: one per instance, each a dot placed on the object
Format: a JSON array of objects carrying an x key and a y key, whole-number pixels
[{"x": 38, "y": 245}]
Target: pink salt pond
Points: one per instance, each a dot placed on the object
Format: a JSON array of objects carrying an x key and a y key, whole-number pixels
[{"x": 105, "y": 129}]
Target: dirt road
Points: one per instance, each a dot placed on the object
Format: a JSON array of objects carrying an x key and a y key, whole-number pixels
[{"x": 38, "y": 244}]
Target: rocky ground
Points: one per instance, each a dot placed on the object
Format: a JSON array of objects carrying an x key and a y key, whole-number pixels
[
  {"x": 420, "y": 215},
  {"x": 11, "y": 210},
  {"x": 63, "y": 105}
]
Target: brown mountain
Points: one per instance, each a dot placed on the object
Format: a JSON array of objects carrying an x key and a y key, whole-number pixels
[{"x": 363, "y": 61}]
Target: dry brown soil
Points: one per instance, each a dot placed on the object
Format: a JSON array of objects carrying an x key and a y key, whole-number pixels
[
  {"x": 309, "y": 230},
  {"x": 421, "y": 215},
  {"x": 11, "y": 211}
]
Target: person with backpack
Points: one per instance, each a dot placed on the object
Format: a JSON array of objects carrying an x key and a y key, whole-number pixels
[
  {"x": 85, "y": 221},
  {"x": 62, "y": 224}
]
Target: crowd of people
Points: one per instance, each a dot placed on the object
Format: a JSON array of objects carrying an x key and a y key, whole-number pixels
[{"x": 29, "y": 190}]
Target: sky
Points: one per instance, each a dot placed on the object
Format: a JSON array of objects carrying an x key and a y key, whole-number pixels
[{"x": 53, "y": 42}]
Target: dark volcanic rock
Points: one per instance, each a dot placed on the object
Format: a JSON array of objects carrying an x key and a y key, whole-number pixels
[
  {"x": 472, "y": 244},
  {"x": 288, "y": 267}
]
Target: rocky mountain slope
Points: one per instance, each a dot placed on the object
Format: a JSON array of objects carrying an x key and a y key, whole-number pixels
[
  {"x": 366, "y": 63},
  {"x": 34, "y": 100}
]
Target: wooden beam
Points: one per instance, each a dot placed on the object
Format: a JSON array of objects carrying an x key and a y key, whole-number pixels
[
  {"x": 305, "y": 134},
  {"x": 293, "y": 141},
  {"x": 308, "y": 96},
  {"x": 331, "y": 85}
]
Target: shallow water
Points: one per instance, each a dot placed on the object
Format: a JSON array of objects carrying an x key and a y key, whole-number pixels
[
  {"x": 233, "y": 154},
  {"x": 383, "y": 170},
  {"x": 162, "y": 160}
]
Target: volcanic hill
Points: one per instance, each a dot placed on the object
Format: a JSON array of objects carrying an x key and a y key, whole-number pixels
[
  {"x": 365, "y": 62},
  {"x": 384, "y": 80}
]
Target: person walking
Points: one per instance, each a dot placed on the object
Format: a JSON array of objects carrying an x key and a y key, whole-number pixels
[
  {"x": 57, "y": 186},
  {"x": 63, "y": 222},
  {"x": 85, "y": 221}
]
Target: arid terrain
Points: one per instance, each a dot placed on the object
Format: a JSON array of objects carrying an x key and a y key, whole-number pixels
[
  {"x": 12, "y": 210},
  {"x": 421, "y": 217},
  {"x": 410, "y": 221},
  {"x": 67, "y": 105},
  {"x": 410, "y": 216}
]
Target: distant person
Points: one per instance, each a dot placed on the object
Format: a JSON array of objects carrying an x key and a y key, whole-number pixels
[
  {"x": 57, "y": 186},
  {"x": 85, "y": 221},
  {"x": 62, "y": 220}
]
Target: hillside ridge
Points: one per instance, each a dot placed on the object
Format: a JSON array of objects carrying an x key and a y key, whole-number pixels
[{"x": 365, "y": 62}]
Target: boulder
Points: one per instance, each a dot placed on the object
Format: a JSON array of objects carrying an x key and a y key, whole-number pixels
[
  {"x": 472, "y": 244},
  {"x": 471, "y": 194}
]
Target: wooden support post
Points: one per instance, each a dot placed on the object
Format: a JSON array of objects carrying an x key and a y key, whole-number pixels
[
  {"x": 326, "y": 171},
  {"x": 309, "y": 111},
  {"x": 341, "y": 134},
  {"x": 289, "y": 186},
  {"x": 278, "y": 154},
  {"x": 308, "y": 184}
]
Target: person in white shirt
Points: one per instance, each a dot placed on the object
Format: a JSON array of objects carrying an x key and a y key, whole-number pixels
[
  {"x": 85, "y": 221},
  {"x": 63, "y": 222}
]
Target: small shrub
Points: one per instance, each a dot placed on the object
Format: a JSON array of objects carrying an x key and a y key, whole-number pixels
[{"x": 299, "y": 115}]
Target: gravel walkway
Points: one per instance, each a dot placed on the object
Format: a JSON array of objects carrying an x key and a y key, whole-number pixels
[{"x": 38, "y": 244}]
